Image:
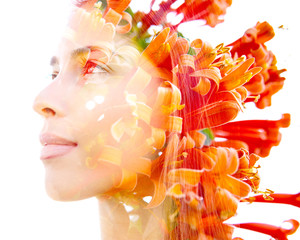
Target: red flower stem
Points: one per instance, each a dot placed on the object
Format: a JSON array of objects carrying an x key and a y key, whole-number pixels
[
  {"x": 291, "y": 199},
  {"x": 155, "y": 17},
  {"x": 274, "y": 231},
  {"x": 257, "y": 124},
  {"x": 195, "y": 13}
]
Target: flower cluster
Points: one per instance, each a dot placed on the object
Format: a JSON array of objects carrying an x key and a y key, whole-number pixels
[
  {"x": 208, "y": 179},
  {"x": 268, "y": 81},
  {"x": 179, "y": 100},
  {"x": 209, "y": 11}
]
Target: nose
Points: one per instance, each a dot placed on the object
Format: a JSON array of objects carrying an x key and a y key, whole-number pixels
[{"x": 50, "y": 101}]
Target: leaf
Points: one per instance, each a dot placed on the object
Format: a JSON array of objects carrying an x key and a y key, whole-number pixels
[
  {"x": 209, "y": 136},
  {"x": 192, "y": 51},
  {"x": 170, "y": 213}
]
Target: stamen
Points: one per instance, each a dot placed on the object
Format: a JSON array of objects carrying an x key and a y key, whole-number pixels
[
  {"x": 256, "y": 98},
  {"x": 220, "y": 46},
  {"x": 291, "y": 199},
  {"x": 98, "y": 5}
]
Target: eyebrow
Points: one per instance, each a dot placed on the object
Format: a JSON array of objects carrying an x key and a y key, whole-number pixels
[
  {"x": 75, "y": 53},
  {"x": 54, "y": 61},
  {"x": 79, "y": 53}
]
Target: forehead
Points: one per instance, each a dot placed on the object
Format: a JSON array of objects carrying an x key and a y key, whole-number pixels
[
  {"x": 69, "y": 49},
  {"x": 86, "y": 29}
]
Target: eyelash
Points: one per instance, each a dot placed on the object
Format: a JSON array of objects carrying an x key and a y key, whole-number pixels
[
  {"x": 90, "y": 67},
  {"x": 54, "y": 75},
  {"x": 88, "y": 71},
  {"x": 96, "y": 73},
  {"x": 102, "y": 69}
]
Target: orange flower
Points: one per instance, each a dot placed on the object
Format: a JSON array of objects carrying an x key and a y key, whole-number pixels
[
  {"x": 210, "y": 11},
  {"x": 219, "y": 103},
  {"x": 268, "y": 81},
  {"x": 177, "y": 90},
  {"x": 204, "y": 78},
  {"x": 204, "y": 182},
  {"x": 117, "y": 5},
  {"x": 163, "y": 53},
  {"x": 217, "y": 94}
]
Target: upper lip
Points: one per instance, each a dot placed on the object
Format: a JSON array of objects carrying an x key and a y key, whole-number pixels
[{"x": 51, "y": 139}]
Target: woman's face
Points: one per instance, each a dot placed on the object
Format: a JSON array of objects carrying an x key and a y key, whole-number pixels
[{"x": 79, "y": 107}]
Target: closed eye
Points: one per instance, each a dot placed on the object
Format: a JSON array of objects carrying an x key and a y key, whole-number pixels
[
  {"x": 54, "y": 75},
  {"x": 99, "y": 74},
  {"x": 54, "y": 63},
  {"x": 101, "y": 69}
]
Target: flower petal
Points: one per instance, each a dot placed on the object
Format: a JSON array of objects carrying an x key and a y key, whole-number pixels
[
  {"x": 185, "y": 176},
  {"x": 233, "y": 185},
  {"x": 159, "y": 194},
  {"x": 211, "y": 115}
]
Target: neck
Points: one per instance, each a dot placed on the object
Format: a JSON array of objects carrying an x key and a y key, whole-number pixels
[{"x": 124, "y": 218}]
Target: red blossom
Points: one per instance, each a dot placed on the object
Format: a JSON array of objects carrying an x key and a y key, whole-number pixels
[
  {"x": 277, "y": 232},
  {"x": 282, "y": 198},
  {"x": 268, "y": 81},
  {"x": 259, "y": 135},
  {"x": 187, "y": 87},
  {"x": 209, "y": 11}
]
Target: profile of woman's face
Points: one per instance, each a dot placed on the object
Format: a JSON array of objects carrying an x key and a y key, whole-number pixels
[{"x": 80, "y": 105}]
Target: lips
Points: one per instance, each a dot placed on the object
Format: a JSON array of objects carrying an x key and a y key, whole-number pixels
[{"x": 54, "y": 146}]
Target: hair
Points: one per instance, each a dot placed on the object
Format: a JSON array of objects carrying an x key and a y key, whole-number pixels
[{"x": 177, "y": 98}]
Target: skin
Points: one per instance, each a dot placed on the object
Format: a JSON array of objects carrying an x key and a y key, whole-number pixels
[
  {"x": 77, "y": 108},
  {"x": 64, "y": 104}
]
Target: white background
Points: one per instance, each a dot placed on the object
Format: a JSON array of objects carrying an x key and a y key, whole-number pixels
[{"x": 29, "y": 33}]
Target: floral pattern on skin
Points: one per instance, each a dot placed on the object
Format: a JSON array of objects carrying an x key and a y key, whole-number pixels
[{"x": 178, "y": 90}]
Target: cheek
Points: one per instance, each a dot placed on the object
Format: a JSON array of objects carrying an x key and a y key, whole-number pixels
[
  {"x": 79, "y": 175},
  {"x": 93, "y": 112},
  {"x": 88, "y": 105}
]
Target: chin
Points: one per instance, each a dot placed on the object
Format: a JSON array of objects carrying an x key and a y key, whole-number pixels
[
  {"x": 60, "y": 191},
  {"x": 73, "y": 186}
]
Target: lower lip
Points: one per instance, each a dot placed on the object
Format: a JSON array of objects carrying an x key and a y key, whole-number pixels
[{"x": 53, "y": 151}]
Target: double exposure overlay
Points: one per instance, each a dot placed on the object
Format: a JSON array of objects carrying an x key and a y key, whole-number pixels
[{"x": 166, "y": 128}]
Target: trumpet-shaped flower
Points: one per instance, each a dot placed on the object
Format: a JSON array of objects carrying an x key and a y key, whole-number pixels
[
  {"x": 268, "y": 81},
  {"x": 209, "y": 11},
  {"x": 258, "y": 136},
  {"x": 177, "y": 97}
]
